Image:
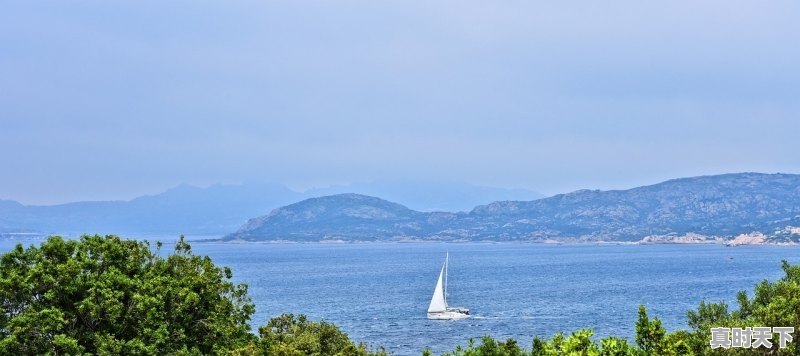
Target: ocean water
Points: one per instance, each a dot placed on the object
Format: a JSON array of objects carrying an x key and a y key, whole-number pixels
[{"x": 379, "y": 293}]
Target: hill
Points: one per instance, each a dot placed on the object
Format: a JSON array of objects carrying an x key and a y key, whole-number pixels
[
  {"x": 721, "y": 206},
  {"x": 186, "y": 209},
  {"x": 342, "y": 216}
]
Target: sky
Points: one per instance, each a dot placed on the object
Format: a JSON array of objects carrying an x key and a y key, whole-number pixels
[{"x": 110, "y": 100}]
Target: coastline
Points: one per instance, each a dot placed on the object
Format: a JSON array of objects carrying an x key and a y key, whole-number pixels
[
  {"x": 727, "y": 243},
  {"x": 751, "y": 239}
]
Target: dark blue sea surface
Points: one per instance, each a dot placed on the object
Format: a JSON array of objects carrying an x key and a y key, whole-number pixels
[{"x": 379, "y": 293}]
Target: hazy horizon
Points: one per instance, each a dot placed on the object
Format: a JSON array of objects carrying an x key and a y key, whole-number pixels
[
  {"x": 375, "y": 188},
  {"x": 388, "y": 190},
  {"x": 109, "y": 101}
]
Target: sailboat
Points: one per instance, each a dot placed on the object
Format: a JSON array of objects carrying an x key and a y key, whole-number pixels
[{"x": 438, "y": 308}]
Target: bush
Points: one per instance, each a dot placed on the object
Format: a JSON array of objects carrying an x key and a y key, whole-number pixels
[{"x": 287, "y": 335}]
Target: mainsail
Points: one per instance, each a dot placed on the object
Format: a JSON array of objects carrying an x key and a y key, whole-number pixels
[{"x": 438, "y": 303}]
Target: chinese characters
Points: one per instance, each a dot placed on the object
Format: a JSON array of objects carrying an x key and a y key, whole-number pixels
[{"x": 750, "y": 337}]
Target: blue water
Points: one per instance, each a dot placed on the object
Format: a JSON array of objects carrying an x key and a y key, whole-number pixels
[{"x": 378, "y": 293}]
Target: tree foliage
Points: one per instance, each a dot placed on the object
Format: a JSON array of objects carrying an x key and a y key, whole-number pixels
[
  {"x": 774, "y": 303},
  {"x": 487, "y": 347},
  {"x": 649, "y": 334},
  {"x": 289, "y": 335},
  {"x": 106, "y": 295}
]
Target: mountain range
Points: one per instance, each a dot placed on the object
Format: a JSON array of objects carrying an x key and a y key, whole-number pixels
[
  {"x": 222, "y": 208},
  {"x": 699, "y": 209},
  {"x": 183, "y": 209}
]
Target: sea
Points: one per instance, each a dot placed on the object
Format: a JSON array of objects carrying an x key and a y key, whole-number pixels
[{"x": 378, "y": 293}]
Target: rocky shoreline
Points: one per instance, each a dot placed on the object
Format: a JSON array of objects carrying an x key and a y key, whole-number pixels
[{"x": 749, "y": 239}]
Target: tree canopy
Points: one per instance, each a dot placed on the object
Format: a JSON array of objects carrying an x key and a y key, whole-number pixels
[{"x": 106, "y": 295}]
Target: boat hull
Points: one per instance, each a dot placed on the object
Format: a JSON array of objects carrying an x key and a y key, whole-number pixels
[{"x": 448, "y": 315}]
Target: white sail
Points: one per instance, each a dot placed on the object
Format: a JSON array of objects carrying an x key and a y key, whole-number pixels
[{"x": 438, "y": 303}]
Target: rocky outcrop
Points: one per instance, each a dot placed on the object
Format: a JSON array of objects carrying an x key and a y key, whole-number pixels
[{"x": 753, "y": 238}]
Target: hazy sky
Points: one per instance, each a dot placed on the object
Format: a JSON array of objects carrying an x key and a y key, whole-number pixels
[{"x": 112, "y": 99}]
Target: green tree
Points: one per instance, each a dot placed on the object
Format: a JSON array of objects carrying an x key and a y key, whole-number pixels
[
  {"x": 580, "y": 343},
  {"x": 615, "y": 346},
  {"x": 774, "y": 303},
  {"x": 678, "y": 343},
  {"x": 706, "y": 316},
  {"x": 106, "y": 295},
  {"x": 649, "y": 334},
  {"x": 777, "y": 304},
  {"x": 488, "y": 347},
  {"x": 288, "y": 335}
]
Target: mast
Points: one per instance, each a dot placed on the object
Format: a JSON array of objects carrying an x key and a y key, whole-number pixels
[{"x": 446, "y": 262}]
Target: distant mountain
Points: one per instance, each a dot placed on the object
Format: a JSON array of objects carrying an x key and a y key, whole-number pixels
[
  {"x": 723, "y": 206},
  {"x": 184, "y": 209}
]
